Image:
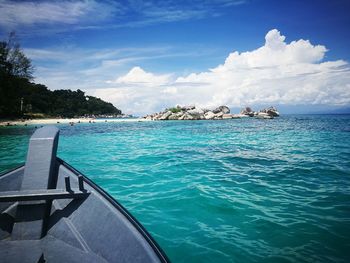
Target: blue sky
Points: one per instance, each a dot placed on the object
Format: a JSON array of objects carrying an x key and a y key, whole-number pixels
[{"x": 145, "y": 55}]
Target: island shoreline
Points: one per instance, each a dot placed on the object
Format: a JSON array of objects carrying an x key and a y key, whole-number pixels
[{"x": 70, "y": 121}]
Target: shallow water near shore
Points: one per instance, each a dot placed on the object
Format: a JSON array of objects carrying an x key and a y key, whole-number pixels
[{"x": 244, "y": 190}]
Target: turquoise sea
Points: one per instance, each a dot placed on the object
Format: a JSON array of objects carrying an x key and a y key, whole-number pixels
[{"x": 243, "y": 190}]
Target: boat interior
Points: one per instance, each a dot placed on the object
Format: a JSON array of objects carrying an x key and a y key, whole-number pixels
[{"x": 49, "y": 212}]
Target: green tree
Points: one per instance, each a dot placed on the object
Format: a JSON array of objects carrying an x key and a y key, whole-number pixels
[
  {"x": 16, "y": 71},
  {"x": 18, "y": 95},
  {"x": 13, "y": 61}
]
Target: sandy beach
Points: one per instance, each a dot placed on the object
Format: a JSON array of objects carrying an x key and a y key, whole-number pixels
[{"x": 64, "y": 121}]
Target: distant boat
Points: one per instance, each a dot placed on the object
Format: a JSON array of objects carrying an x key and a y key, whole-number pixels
[{"x": 49, "y": 212}]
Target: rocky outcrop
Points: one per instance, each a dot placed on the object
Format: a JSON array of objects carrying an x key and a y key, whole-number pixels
[
  {"x": 227, "y": 116},
  {"x": 186, "y": 108},
  {"x": 190, "y": 113},
  {"x": 165, "y": 116},
  {"x": 264, "y": 115},
  {"x": 209, "y": 115},
  {"x": 268, "y": 113},
  {"x": 197, "y": 113},
  {"x": 173, "y": 116},
  {"x": 271, "y": 111},
  {"x": 248, "y": 112},
  {"x": 223, "y": 109},
  {"x": 219, "y": 113}
]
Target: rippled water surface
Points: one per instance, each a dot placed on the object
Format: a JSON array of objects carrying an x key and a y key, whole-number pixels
[{"x": 220, "y": 191}]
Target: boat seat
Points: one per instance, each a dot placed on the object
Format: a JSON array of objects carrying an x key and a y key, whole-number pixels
[{"x": 40, "y": 173}]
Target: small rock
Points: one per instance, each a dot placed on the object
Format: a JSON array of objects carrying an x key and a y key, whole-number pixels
[
  {"x": 227, "y": 116},
  {"x": 264, "y": 115}
]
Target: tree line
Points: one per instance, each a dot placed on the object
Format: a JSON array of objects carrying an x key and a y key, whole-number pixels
[{"x": 20, "y": 97}]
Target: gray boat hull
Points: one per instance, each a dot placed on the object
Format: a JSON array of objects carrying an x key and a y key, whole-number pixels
[{"x": 72, "y": 220}]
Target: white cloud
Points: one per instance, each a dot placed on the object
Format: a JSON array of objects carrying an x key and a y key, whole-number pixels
[
  {"x": 137, "y": 76},
  {"x": 73, "y": 68},
  {"x": 48, "y": 16},
  {"x": 27, "y": 13},
  {"x": 277, "y": 73},
  {"x": 153, "y": 12}
]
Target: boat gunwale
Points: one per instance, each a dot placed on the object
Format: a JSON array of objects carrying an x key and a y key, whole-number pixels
[
  {"x": 139, "y": 227},
  {"x": 5, "y": 172}
]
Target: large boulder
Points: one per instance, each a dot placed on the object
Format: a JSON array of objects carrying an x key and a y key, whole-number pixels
[
  {"x": 189, "y": 107},
  {"x": 223, "y": 109},
  {"x": 218, "y": 115},
  {"x": 247, "y": 111},
  {"x": 166, "y": 115},
  {"x": 173, "y": 117},
  {"x": 209, "y": 115},
  {"x": 195, "y": 111},
  {"x": 187, "y": 116},
  {"x": 271, "y": 111},
  {"x": 180, "y": 113},
  {"x": 182, "y": 117}
]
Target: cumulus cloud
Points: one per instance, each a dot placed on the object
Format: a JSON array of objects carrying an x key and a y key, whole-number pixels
[
  {"x": 137, "y": 76},
  {"x": 277, "y": 73}
]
